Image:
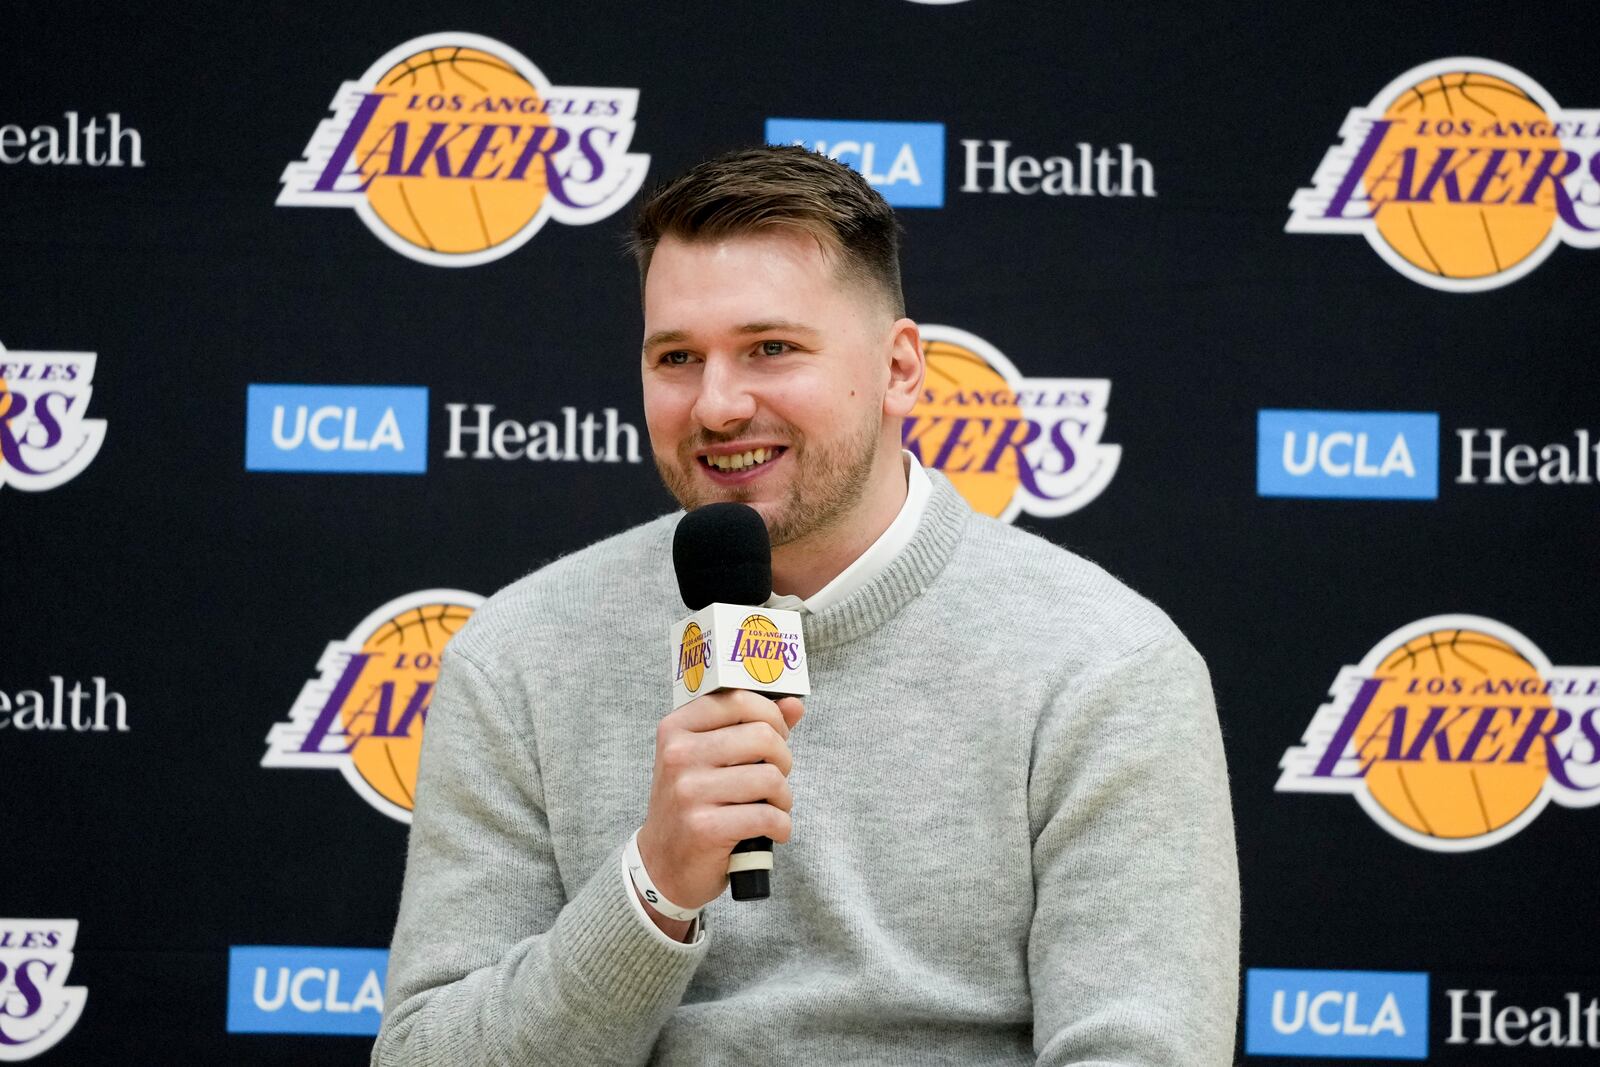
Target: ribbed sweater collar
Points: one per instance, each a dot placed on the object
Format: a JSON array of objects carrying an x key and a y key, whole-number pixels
[{"x": 902, "y": 580}]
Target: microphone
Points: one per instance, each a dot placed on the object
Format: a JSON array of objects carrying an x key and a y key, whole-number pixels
[{"x": 724, "y": 563}]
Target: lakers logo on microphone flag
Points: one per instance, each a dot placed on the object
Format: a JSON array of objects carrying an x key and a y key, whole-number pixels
[{"x": 730, "y": 646}]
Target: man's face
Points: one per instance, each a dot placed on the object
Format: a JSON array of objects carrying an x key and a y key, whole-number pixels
[{"x": 764, "y": 378}]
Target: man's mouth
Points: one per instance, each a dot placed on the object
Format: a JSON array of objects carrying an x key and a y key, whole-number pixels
[{"x": 740, "y": 461}]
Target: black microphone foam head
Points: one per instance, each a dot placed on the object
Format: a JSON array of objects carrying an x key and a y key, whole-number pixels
[{"x": 722, "y": 554}]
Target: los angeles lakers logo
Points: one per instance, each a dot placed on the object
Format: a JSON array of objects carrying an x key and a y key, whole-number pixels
[
  {"x": 1009, "y": 444},
  {"x": 1462, "y": 173},
  {"x": 692, "y": 653},
  {"x": 455, "y": 149},
  {"x": 364, "y": 714},
  {"x": 45, "y": 438},
  {"x": 764, "y": 650},
  {"x": 37, "y": 1007},
  {"x": 1453, "y": 734}
]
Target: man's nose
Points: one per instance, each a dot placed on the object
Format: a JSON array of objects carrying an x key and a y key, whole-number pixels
[{"x": 725, "y": 397}]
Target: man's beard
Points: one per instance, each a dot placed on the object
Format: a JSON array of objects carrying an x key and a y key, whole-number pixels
[{"x": 827, "y": 482}]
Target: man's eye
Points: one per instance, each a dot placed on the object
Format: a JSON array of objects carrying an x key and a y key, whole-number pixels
[
  {"x": 774, "y": 348},
  {"x": 675, "y": 359}
]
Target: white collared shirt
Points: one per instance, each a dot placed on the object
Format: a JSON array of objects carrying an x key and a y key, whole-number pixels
[
  {"x": 877, "y": 556},
  {"x": 866, "y": 567}
]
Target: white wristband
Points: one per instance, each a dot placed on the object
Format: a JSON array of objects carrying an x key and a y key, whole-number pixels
[{"x": 647, "y": 888}]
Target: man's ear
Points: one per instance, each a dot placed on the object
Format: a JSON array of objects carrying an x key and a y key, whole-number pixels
[{"x": 907, "y": 365}]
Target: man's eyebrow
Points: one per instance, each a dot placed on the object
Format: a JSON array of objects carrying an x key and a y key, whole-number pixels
[
  {"x": 672, "y": 337},
  {"x": 665, "y": 337},
  {"x": 776, "y": 326}
]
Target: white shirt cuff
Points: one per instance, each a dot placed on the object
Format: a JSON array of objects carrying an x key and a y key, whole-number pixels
[{"x": 697, "y": 927}]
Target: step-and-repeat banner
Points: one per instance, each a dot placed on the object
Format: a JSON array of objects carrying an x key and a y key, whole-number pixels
[{"x": 318, "y": 330}]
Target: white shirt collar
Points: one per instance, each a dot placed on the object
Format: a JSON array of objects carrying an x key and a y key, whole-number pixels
[{"x": 878, "y": 555}]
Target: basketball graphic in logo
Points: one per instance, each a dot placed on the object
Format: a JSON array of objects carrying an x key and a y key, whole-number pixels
[
  {"x": 1436, "y": 793},
  {"x": 365, "y": 712},
  {"x": 692, "y": 658},
  {"x": 956, "y": 372},
  {"x": 760, "y": 649},
  {"x": 386, "y": 709},
  {"x": 8, "y": 405},
  {"x": 468, "y": 214},
  {"x": 1440, "y": 229}
]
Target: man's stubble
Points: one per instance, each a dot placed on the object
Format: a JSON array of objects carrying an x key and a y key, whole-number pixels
[{"x": 828, "y": 482}]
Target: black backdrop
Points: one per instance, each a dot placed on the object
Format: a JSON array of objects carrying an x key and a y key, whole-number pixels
[{"x": 205, "y": 593}]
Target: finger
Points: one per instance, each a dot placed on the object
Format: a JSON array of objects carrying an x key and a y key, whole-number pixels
[
  {"x": 792, "y": 709},
  {"x": 732, "y": 823},
  {"x": 747, "y": 784},
  {"x": 716, "y": 710},
  {"x": 745, "y": 742}
]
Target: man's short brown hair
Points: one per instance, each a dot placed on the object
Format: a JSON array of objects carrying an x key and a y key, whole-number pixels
[{"x": 777, "y": 187}]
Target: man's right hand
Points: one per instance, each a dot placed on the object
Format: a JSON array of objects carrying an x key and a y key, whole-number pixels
[{"x": 721, "y": 775}]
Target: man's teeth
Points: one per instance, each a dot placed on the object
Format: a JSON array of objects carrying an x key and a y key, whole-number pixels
[{"x": 742, "y": 460}]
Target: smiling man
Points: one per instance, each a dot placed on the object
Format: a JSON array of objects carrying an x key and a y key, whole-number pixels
[
  {"x": 777, "y": 369},
  {"x": 1004, "y": 823}
]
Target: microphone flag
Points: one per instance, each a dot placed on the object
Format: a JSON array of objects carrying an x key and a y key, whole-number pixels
[{"x": 736, "y": 646}]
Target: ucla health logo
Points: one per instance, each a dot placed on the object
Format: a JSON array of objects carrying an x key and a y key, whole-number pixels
[
  {"x": 278, "y": 989},
  {"x": 363, "y": 714},
  {"x": 60, "y": 709},
  {"x": 1009, "y": 443},
  {"x": 1463, "y": 174},
  {"x": 1393, "y": 455},
  {"x": 45, "y": 438},
  {"x": 903, "y": 161},
  {"x": 348, "y": 429},
  {"x": 1354, "y": 1014},
  {"x": 1453, "y": 733},
  {"x": 455, "y": 149},
  {"x": 75, "y": 143},
  {"x": 37, "y": 1007}
]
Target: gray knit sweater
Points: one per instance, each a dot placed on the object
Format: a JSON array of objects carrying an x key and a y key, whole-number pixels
[{"x": 1012, "y": 839}]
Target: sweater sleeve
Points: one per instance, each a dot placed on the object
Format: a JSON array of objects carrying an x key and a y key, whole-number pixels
[
  {"x": 1133, "y": 955},
  {"x": 491, "y": 964}
]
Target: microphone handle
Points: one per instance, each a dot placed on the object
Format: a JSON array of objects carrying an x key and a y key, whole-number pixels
[{"x": 754, "y": 883}]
